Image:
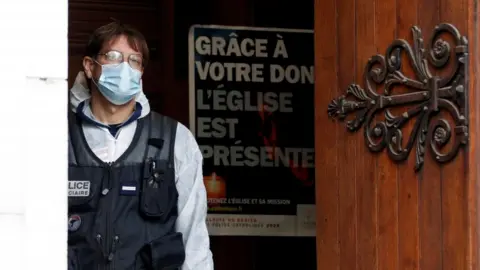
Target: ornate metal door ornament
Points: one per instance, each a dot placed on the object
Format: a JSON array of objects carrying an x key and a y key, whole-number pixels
[{"x": 429, "y": 93}]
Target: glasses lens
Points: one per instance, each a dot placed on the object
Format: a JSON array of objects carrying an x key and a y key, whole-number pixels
[
  {"x": 135, "y": 61},
  {"x": 114, "y": 57}
]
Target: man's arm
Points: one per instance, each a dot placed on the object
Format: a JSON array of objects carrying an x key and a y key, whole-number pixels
[{"x": 192, "y": 202}]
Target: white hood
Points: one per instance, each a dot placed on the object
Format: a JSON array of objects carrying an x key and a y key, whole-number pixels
[{"x": 80, "y": 93}]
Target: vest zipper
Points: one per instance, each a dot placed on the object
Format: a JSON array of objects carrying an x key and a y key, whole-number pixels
[
  {"x": 107, "y": 264},
  {"x": 111, "y": 256},
  {"x": 101, "y": 264}
]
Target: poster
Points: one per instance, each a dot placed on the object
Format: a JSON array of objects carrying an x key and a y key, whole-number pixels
[{"x": 251, "y": 94}]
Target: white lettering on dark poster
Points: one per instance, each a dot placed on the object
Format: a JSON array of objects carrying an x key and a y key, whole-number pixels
[{"x": 266, "y": 56}]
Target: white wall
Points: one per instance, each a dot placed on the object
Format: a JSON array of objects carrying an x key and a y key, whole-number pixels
[{"x": 33, "y": 134}]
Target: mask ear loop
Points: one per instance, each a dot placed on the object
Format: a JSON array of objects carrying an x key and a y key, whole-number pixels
[
  {"x": 93, "y": 79},
  {"x": 94, "y": 82}
]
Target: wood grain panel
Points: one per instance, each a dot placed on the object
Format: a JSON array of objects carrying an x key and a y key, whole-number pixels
[
  {"x": 367, "y": 235},
  {"x": 454, "y": 180},
  {"x": 401, "y": 219},
  {"x": 347, "y": 226},
  {"x": 473, "y": 156},
  {"x": 408, "y": 193},
  {"x": 326, "y": 159},
  {"x": 430, "y": 220},
  {"x": 387, "y": 227}
]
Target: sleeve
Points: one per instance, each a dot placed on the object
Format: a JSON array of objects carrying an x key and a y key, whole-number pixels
[{"x": 192, "y": 202}]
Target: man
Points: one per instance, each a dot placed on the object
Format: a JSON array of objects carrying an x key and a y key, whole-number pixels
[{"x": 136, "y": 193}]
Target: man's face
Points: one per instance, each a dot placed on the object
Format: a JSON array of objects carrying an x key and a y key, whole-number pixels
[{"x": 134, "y": 58}]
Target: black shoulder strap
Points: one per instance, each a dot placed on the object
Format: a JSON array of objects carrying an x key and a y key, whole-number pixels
[
  {"x": 77, "y": 146},
  {"x": 72, "y": 159},
  {"x": 156, "y": 139},
  {"x": 161, "y": 143}
]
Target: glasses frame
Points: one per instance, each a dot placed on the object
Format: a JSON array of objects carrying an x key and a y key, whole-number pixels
[{"x": 123, "y": 58}]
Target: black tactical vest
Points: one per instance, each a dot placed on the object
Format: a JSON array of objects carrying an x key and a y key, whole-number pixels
[{"x": 122, "y": 215}]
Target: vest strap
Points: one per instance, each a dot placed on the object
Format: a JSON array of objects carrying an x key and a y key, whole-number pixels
[
  {"x": 156, "y": 139},
  {"x": 162, "y": 129}
]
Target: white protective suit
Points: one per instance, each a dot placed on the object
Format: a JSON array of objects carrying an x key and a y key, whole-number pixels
[{"x": 192, "y": 200}]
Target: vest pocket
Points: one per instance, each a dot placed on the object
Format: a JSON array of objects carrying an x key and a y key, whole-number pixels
[
  {"x": 164, "y": 253},
  {"x": 154, "y": 197},
  {"x": 84, "y": 188}
]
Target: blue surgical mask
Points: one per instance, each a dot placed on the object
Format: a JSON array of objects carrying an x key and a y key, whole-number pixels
[{"x": 119, "y": 83}]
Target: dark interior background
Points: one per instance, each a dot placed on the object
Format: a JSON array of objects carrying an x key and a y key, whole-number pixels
[{"x": 165, "y": 24}]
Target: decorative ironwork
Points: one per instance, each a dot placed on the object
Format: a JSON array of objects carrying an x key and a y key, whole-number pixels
[{"x": 440, "y": 84}]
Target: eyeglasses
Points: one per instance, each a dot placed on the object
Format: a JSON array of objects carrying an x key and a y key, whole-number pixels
[{"x": 116, "y": 57}]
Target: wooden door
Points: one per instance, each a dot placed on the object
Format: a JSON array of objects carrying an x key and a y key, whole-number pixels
[{"x": 372, "y": 212}]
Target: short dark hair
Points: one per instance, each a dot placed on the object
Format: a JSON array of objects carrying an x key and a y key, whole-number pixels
[{"x": 109, "y": 32}]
